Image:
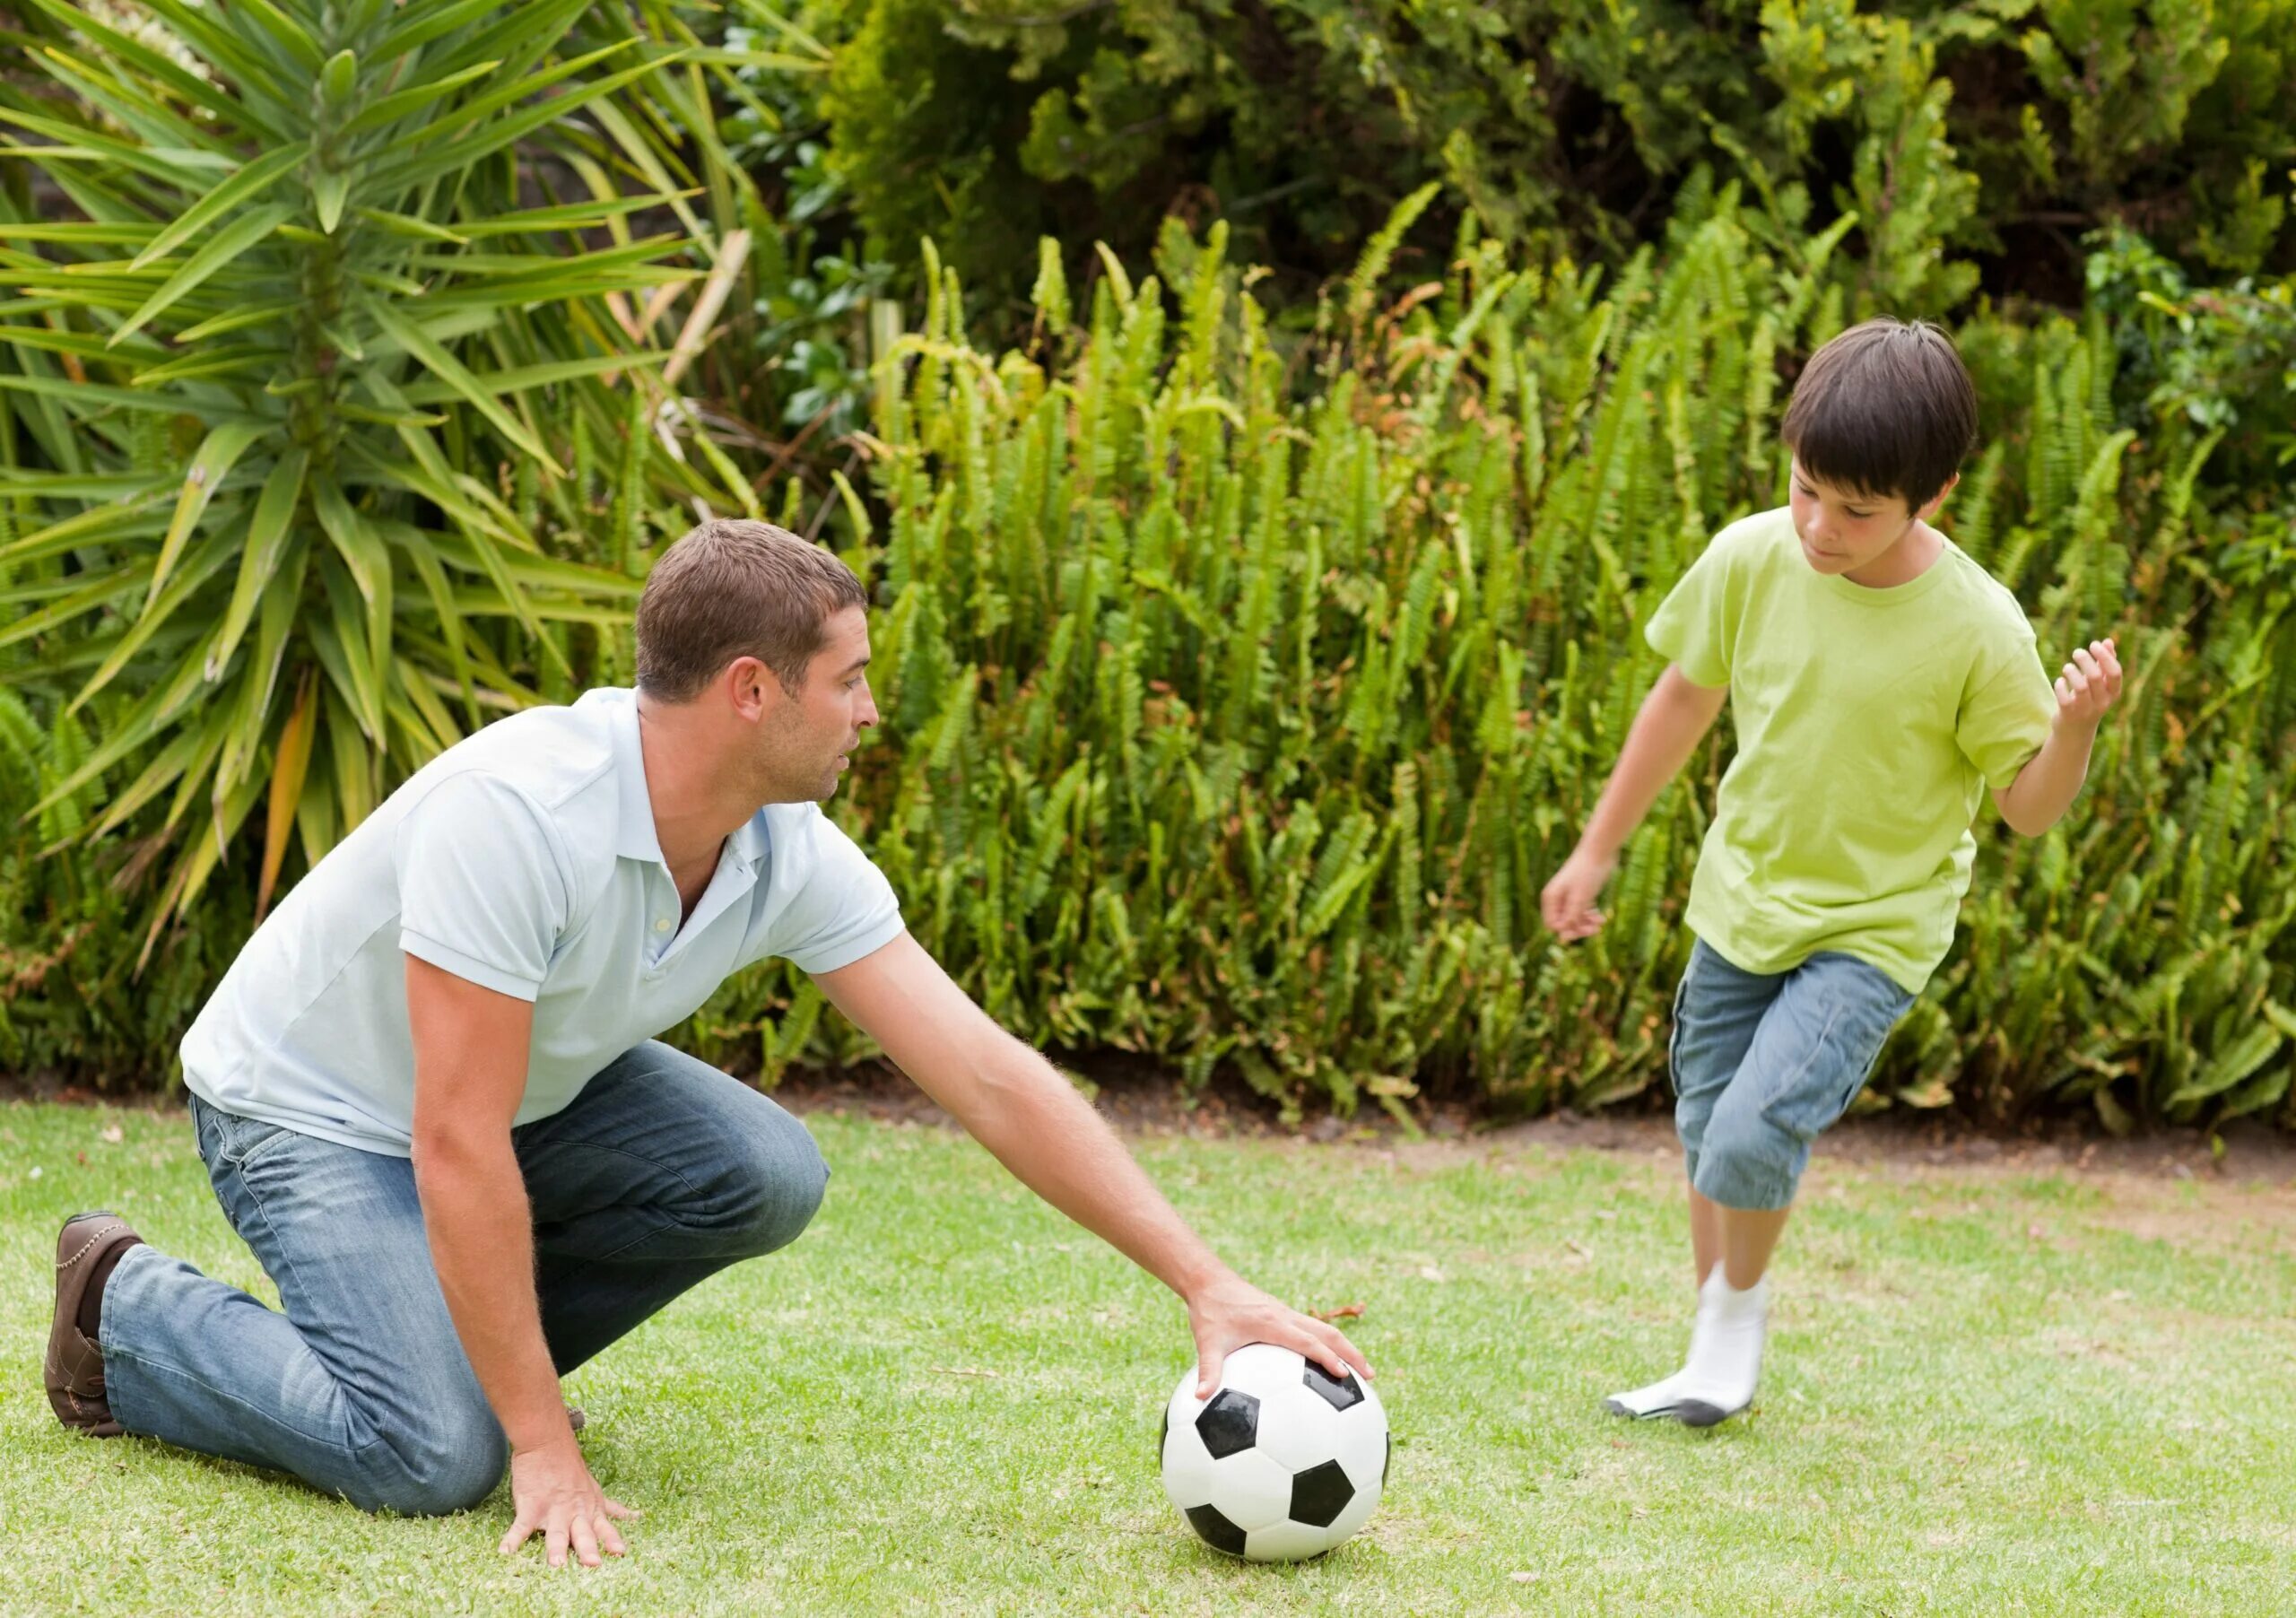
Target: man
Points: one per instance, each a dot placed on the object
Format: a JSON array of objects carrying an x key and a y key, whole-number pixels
[{"x": 429, "y": 1099}]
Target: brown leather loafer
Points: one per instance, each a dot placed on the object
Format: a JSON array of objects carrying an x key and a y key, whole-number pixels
[{"x": 75, "y": 1369}]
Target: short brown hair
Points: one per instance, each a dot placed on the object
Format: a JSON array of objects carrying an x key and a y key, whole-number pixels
[
  {"x": 732, "y": 588},
  {"x": 1886, "y": 408}
]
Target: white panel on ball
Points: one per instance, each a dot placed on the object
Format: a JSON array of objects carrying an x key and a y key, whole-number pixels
[
  {"x": 1251, "y": 1490},
  {"x": 1286, "y": 1542}
]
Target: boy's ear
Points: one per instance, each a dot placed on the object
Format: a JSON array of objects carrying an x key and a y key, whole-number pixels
[{"x": 1937, "y": 500}]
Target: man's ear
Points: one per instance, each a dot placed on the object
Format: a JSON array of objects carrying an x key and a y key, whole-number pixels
[{"x": 749, "y": 687}]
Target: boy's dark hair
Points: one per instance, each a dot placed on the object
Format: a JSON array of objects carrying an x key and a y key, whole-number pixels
[
  {"x": 732, "y": 588},
  {"x": 1884, "y": 409}
]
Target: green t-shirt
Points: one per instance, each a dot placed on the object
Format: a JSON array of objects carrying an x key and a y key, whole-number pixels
[{"x": 1870, "y": 722}]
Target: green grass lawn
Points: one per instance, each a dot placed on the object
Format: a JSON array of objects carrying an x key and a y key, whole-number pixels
[{"x": 1987, "y": 1394}]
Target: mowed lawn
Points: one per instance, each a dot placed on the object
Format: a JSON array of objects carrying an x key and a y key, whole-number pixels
[{"x": 1988, "y": 1392}]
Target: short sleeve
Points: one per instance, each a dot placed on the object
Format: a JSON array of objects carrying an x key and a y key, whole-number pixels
[
  {"x": 845, "y": 910},
  {"x": 1693, "y": 628},
  {"x": 2006, "y": 714},
  {"x": 480, "y": 891}
]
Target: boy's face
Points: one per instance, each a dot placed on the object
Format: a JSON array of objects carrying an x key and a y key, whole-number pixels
[{"x": 1842, "y": 531}]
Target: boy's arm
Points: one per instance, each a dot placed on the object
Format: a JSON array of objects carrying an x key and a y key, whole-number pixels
[
  {"x": 2047, "y": 785},
  {"x": 1667, "y": 731}
]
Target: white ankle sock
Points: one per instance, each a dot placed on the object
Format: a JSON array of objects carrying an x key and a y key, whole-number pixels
[
  {"x": 1724, "y": 1360},
  {"x": 1659, "y": 1398},
  {"x": 1725, "y": 1350}
]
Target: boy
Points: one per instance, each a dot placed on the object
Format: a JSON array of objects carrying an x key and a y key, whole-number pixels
[{"x": 1880, "y": 681}]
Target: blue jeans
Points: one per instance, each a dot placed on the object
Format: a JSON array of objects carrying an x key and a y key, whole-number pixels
[
  {"x": 1763, "y": 1061},
  {"x": 663, "y": 1171}
]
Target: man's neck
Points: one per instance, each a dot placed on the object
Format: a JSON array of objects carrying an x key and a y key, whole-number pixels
[{"x": 691, "y": 823}]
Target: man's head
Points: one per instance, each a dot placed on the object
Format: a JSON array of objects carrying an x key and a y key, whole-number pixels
[
  {"x": 761, "y": 641},
  {"x": 1880, "y": 422}
]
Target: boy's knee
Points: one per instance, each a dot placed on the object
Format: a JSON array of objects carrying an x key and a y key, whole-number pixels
[{"x": 1746, "y": 1158}]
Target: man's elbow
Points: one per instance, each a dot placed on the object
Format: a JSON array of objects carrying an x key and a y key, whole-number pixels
[{"x": 455, "y": 1147}]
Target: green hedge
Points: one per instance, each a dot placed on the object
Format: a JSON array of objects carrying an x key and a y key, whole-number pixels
[
  {"x": 1959, "y": 131},
  {"x": 1225, "y": 728},
  {"x": 1240, "y": 693}
]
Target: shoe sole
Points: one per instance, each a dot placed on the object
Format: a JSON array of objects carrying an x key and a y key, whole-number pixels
[{"x": 1698, "y": 1413}]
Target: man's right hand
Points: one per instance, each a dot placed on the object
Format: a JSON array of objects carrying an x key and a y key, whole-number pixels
[
  {"x": 1568, "y": 902},
  {"x": 554, "y": 1495}
]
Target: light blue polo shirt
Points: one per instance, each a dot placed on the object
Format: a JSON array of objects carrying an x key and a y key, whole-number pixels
[{"x": 523, "y": 858}]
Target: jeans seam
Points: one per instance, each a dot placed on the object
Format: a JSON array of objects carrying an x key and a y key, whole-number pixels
[
  {"x": 285, "y": 1257},
  {"x": 1817, "y": 1048}
]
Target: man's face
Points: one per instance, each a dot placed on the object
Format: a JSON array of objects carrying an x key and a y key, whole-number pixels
[
  {"x": 1841, "y": 530},
  {"x": 808, "y": 734}
]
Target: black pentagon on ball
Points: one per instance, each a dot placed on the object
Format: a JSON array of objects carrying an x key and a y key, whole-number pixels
[
  {"x": 1229, "y": 1423},
  {"x": 1319, "y": 1494},
  {"x": 1216, "y": 1530},
  {"x": 1387, "y": 1465},
  {"x": 1163, "y": 1432},
  {"x": 1338, "y": 1394}
]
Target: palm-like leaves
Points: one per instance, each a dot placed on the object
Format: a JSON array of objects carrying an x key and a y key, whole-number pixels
[{"x": 302, "y": 385}]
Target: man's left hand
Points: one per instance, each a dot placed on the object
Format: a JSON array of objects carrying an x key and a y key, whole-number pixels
[{"x": 1231, "y": 1312}]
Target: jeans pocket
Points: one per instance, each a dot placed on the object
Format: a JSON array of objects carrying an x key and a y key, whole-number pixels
[
  {"x": 1871, "y": 1028},
  {"x": 238, "y": 1140}
]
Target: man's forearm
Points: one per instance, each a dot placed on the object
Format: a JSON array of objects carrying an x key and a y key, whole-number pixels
[
  {"x": 2049, "y": 782},
  {"x": 475, "y": 1211},
  {"x": 1037, "y": 1125}
]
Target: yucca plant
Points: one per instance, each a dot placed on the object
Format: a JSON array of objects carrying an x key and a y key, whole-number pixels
[{"x": 326, "y": 365}]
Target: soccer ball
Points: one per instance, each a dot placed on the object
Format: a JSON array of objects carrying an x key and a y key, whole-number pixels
[{"x": 1281, "y": 1462}]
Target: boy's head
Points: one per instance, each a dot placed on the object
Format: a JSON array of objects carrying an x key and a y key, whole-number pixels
[{"x": 1880, "y": 421}]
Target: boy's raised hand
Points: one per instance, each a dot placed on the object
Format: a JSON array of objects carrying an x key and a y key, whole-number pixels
[
  {"x": 1568, "y": 902},
  {"x": 2089, "y": 684}
]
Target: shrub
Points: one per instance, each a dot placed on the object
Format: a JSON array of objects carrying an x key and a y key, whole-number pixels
[
  {"x": 1975, "y": 131},
  {"x": 1228, "y": 729}
]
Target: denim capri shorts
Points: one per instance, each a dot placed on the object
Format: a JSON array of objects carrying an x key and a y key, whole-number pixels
[{"x": 1762, "y": 1062}]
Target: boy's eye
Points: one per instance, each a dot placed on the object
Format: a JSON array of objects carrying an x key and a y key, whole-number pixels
[{"x": 1861, "y": 515}]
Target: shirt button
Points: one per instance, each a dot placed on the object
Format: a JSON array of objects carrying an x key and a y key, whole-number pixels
[{"x": 663, "y": 926}]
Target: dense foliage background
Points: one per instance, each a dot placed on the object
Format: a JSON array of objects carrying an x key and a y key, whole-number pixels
[{"x": 1264, "y": 426}]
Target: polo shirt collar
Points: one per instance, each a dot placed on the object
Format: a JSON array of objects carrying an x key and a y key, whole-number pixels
[{"x": 635, "y": 839}]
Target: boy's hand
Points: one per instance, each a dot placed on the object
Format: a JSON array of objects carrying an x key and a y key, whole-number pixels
[
  {"x": 2089, "y": 684},
  {"x": 1568, "y": 902}
]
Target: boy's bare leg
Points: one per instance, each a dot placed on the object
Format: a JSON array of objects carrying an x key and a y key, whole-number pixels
[
  {"x": 1705, "y": 1236},
  {"x": 1749, "y": 1237}
]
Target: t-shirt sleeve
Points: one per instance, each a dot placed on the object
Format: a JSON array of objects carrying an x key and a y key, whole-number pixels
[
  {"x": 1694, "y": 628},
  {"x": 480, "y": 891},
  {"x": 845, "y": 910},
  {"x": 2007, "y": 713}
]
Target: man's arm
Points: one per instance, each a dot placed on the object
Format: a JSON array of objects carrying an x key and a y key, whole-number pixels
[
  {"x": 2047, "y": 785},
  {"x": 471, "y": 1049},
  {"x": 1015, "y": 1103},
  {"x": 1666, "y": 733}
]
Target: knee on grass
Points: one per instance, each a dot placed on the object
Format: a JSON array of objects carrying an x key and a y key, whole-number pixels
[{"x": 449, "y": 1468}]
